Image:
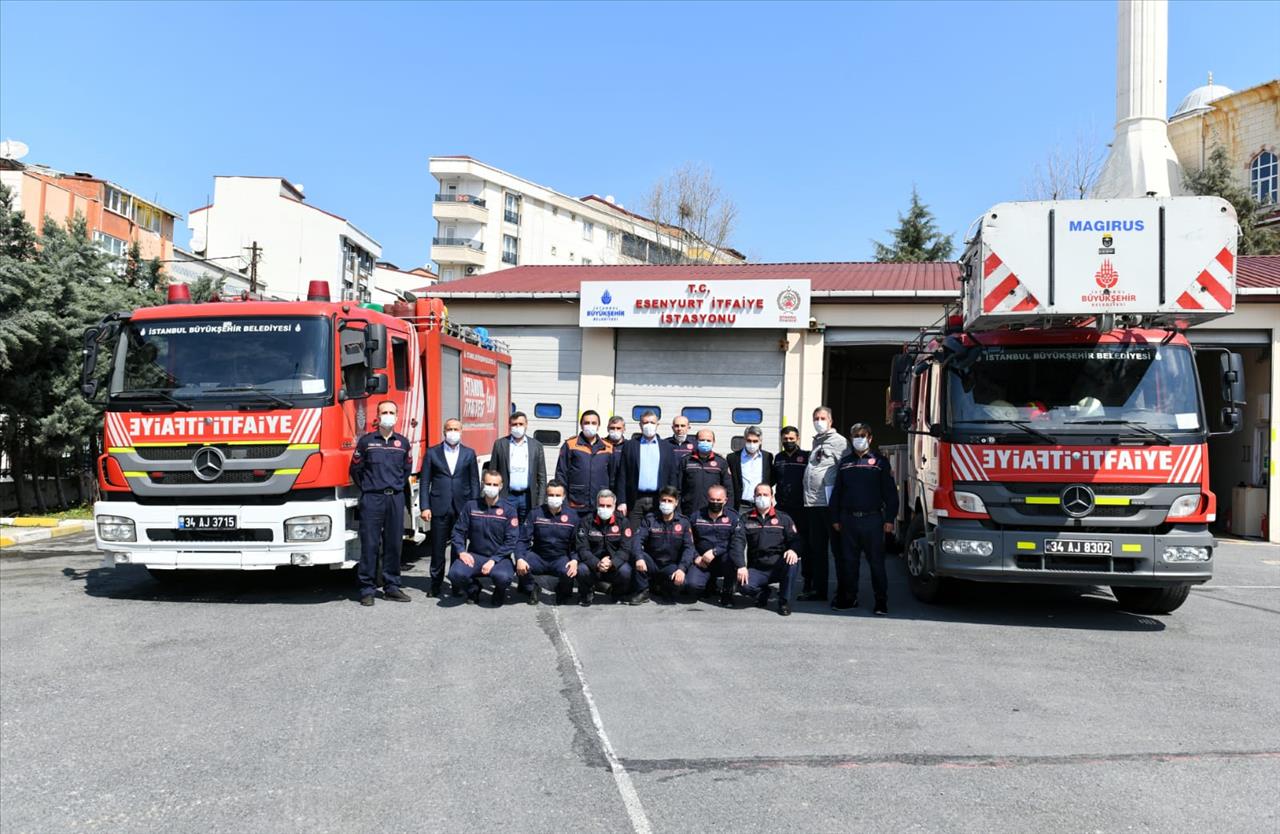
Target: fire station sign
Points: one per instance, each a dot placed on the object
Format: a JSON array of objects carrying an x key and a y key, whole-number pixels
[{"x": 695, "y": 305}]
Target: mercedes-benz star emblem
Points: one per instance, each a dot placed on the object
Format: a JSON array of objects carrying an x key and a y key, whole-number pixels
[
  {"x": 1077, "y": 500},
  {"x": 208, "y": 462}
]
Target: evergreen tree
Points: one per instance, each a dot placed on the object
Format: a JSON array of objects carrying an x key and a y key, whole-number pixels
[
  {"x": 1216, "y": 180},
  {"x": 916, "y": 239}
]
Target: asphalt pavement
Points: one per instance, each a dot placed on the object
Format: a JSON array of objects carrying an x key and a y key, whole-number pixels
[{"x": 273, "y": 702}]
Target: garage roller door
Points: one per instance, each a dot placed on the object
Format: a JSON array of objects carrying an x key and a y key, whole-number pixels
[
  {"x": 545, "y": 366},
  {"x": 722, "y": 371}
]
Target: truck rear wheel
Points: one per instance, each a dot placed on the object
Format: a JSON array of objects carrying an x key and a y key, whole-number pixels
[
  {"x": 1152, "y": 600},
  {"x": 925, "y": 585}
]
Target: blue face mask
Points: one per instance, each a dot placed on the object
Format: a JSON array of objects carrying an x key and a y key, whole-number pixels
[{"x": 704, "y": 446}]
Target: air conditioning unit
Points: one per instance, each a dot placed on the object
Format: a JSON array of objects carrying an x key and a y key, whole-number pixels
[{"x": 471, "y": 270}]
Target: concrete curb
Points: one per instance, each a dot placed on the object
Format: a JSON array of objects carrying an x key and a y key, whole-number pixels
[
  {"x": 29, "y": 521},
  {"x": 22, "y": 534}
]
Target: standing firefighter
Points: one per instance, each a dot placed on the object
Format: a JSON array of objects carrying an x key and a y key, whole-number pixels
[
  {"x": 380, "y": 467},
  {"x": 864, "y": 503}
]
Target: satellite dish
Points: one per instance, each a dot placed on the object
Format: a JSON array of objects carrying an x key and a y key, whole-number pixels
[
  {"x": 13, "y": 149},
  {"x": 198, "y": 242}
]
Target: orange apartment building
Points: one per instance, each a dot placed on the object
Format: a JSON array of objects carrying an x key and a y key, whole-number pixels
[{"x": 116, "y": 216}]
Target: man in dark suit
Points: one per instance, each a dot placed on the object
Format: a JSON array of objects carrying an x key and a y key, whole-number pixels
[
  {"x": 520, "y": 462},
  {"x": 647, "y": 465},
  {"x": 450, "y": 478},
  {"x": 750, "y": 466}
]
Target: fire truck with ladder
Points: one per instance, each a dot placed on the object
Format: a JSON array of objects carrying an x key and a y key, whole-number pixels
[
  {"x": 230, "y": 425},
  {"x": 1058, "y": 420}
]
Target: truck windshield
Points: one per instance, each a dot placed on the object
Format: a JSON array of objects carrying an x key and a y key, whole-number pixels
[
  {"x": 1068, "y": 389},
  {"x": 276, "y": 359}
]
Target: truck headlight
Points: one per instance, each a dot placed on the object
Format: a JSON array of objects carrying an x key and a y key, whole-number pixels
[
  {"x": 307, "y": 528},
  {"x": 968, "y": 502},
  {"x": 1184, "y": 553},
  {"x": 967, "y": 547},
  {"x": 116, "y": 528},
  {"x": 1184, "y": 505}
]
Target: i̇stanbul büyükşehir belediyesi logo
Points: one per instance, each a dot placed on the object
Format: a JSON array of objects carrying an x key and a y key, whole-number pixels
[{"x": 1107, "y": 278}]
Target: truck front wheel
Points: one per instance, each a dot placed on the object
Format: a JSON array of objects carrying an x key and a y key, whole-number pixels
[
  {"x": 925, "y": 585},
  {"x": 1152, "y": 600}
]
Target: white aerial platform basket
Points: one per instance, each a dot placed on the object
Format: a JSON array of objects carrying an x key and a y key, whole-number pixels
[{"x": 1153, "y": 260}]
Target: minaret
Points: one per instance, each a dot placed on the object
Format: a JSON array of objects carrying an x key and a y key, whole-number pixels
[{"x": 1141, "y": 160}]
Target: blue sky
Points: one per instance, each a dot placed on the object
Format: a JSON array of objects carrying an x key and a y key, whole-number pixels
[{"x": 817, "y": 119}]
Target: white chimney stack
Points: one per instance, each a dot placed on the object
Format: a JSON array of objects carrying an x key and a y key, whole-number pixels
[{"x": 1141, "y": 160}]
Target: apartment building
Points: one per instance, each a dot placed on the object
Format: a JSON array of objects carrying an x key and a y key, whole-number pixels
[
  {"x": 488, "y": 219},
  {"x": 297, "y": 242},
  {"x": 116, "y": 217}
]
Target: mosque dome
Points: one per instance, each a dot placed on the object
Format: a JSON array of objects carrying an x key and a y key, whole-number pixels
[{"x": 1198, "y": 99}]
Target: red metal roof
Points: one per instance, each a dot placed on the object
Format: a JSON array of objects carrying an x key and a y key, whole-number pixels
[{"x": 1258, "y": 271}]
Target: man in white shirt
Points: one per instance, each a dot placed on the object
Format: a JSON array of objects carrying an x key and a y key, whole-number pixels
[
  {"x": 519, "y": 459},
  {"x": 750, "y": 467}
]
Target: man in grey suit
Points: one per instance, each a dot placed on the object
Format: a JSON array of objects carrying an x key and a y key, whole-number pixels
[
  {"x": 450, "y": 478},
  {"x": 522, "y": 465}
]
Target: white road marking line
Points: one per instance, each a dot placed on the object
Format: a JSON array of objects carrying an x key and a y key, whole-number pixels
[
  {"x": 1238, "y": 587},
  {"x": 639, "y": 821}
]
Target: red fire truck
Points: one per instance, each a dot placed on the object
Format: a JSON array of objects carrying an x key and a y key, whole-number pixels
[
  {"x": 1058, "y": 421},
  {"x": 230, "y": 425}
]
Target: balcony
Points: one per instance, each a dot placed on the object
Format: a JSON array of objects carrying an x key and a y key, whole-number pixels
[
  {"x": 456, "y": 250},
  {"x": 459, "y": 207},
  {"x": 511, "y": 216}
]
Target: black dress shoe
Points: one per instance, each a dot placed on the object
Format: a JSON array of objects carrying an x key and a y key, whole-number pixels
[
  {"x": 762, "y": 598},
  {"x": 811, "y": 596},
  {"x": 396, "y": 595},
  {"x": 638, "y": 598},
  {"x": 586, "y": 597},
  {"x": 726, "y": 599},
  {"x": 473, "y": 597},
  {"x": 434, "y": 590},
  {"x": 844, "y": 604},
  {"x": 366, "y": 600},
  {"x": 563, "y": 598},
  {"x": 499, "y": 597},
  {"x": 784, "y": 608},
  {"x": 533, "y": 596},
  {"x": 882, "y": 609}
]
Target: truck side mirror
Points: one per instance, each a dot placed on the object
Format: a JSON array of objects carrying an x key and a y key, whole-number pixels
[
  {"x": 352, "y": 348},
  {"x": 88, "y": 373},
  {"x": 376, "y": 384},
  {"x": 375, "y": 340},
  {"x": 1229, "y": 420},
  {"x": 903, "y": 417},
  {"x": 1233, "y": 378}
]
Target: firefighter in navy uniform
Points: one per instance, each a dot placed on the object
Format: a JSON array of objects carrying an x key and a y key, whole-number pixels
[
  {"x": 603, "y": 542},
  {"x": 717, "y": 535},
  {"x": 787, "y": 479},
  {"x": 485, "y": 538},
  {"x": 380, "y": 467},
  {"x": 546, "y": 546},
  {"x": 664, "y": 542},
  {"x": 699, "y": 471},
  {"x": 864, "y": 503},
  {"x": 773, "y": 545}
]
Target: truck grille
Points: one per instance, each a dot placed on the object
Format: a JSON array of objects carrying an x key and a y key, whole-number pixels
[
  {"x": 233, "y": 476},
  {"x": 171, "y": 535},
  {"x": 1084, "y": 564},
  {"x": 265, "y": 450},
  {"x": 1098, "y": 489},
  {"x": 1055, "y": 511}
]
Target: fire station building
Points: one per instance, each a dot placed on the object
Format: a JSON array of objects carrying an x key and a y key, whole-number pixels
[{"x": 735, "y": 345}]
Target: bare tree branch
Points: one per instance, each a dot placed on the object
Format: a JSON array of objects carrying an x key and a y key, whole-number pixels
[
  {"x": 692, "y": 217},
  {"x": 1068, "y": 172}
]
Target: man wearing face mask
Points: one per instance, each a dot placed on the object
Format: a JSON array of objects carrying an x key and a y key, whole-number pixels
[
  {"x": 664, "y": 543},
  {"x": 787, "y": 479},
  {"x": 717, "y": 535},
  {"x": 819, "y": 478},
  {"x": 603, "y": 542},
  {"x": 648, "y": 463},
  {"x": 380, "y": 467},
  {"x": 547, "y": 546},
  {"x": 700, "y": 471},
  {"x": 522, "y": 465},
  {"x": 751, "y": 466},
  {"x": 450, "y": 478},
  {"x": 586, "y": 463},
  {"x": 679, "y": 439},
  {"x": 771, "y": 553},
  {"x": 864, "y": 503},
  {"x": 484, "y": 541}
]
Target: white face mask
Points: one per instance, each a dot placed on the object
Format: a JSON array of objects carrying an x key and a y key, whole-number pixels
[
  {"x": 763, "y": 503},
  {"x": 649, "y": 429},
  {"x": 680, "y": 434},
  {"x": 387, "y": 421},
  {"x": 820, "y": 426},
  {"x": 589, "y": 432},
  {"x": 517, "y": 432},
  {"x": 453, "y": 438},
  {"x": 667, "y": 507},
  {"x": 491, "y": 490},
  {"x": 555, "y": 502},
  {"x": 605, "y": 513},
  {"x": 861, "y": 444},
  {"x": 751, "y": 448},
  {"x": 615, "y": 435}
]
